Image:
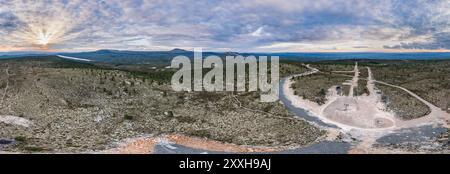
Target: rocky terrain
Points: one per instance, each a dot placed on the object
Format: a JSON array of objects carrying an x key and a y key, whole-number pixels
[
  {"x": 315, "y": 87},
  {"x": 52, "y": 105},
  {"x": 402, "y": 104},
  {"x": 79, "y": 107},
  {"x": 428, "y": 79},
  {"x": 379, "y": 117}
]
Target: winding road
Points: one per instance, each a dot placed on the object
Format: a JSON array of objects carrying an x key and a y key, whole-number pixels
[
  {"x": 366, "y": 109},
  {"x": 436, "y": 112},
  {"x": 435, "y": 116}
]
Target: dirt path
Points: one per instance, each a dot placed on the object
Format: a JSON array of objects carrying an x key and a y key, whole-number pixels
[
  {"x": 146, "y": 145},
  {"x": 435, "y": 114},
  {"x": 434, "y": 109},
  {"x": 363, "y": 118},
  {"x": 311, "y": 71},
  {"x": 370, "y": 82},
  {"x": 366, "y": 136},
  {"x": 363, "y": 109},
  {"x": 354, "y": 82}
]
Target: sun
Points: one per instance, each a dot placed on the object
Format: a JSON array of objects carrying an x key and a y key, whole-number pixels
[{"x": 43, "y": 38}]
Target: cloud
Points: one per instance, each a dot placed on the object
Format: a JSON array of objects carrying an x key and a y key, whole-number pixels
[{"x": 237, "y": 25}]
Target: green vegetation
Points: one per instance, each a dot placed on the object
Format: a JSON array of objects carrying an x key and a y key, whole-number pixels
[
  {"x": 402, "y": 104},
  {"x": 363, "y": 73},
  {"x": 155, "y": 76},
  {"x": 88, "y": 103},
  {"x": 128, "y": 117},
  {"x": 20, "y": 139},
  {"x": 289, "y": 68},
  {"x": 34, "y": 149},
  {"x": 428, "y": 79},
  {"x": 314, "y": 87},
  {"x": 361, "y": 89},
  {"x": 333, "y": 66}
]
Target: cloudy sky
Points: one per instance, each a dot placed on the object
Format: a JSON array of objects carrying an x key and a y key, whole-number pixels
[{"x": 231, "y": 25}]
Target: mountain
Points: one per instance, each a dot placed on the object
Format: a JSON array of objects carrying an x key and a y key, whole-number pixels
[
  {"x": 14, "y": 54},
  {"x": 177, "y": 50},
  {"x": 163, "y": 58},
  {"x": 131, "y": 57}
]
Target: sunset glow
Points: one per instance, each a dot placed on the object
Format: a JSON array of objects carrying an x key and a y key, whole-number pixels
[{"x": 294, "y": 26}]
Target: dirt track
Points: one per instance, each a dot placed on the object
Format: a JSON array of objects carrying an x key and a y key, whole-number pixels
[{"x": 364, "y": 117}]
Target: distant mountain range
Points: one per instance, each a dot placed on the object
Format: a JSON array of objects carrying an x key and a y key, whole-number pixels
[
  {"x": 24, "y": 53},
  {"x": 164, "y": 57}
]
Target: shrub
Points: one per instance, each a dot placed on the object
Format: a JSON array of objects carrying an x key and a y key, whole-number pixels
[{"x": 128, "y": 117}]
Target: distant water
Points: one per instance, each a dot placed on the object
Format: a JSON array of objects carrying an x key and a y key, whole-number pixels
[{"x": 167, "y": 55}]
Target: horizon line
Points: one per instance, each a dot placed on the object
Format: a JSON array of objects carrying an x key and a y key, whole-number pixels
[{"x": 221, "y": 51}]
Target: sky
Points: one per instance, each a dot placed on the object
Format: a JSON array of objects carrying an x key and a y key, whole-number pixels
[{"x": 226, "y": 25}]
